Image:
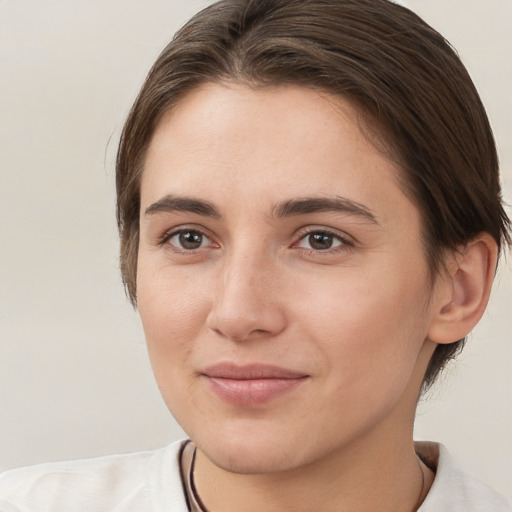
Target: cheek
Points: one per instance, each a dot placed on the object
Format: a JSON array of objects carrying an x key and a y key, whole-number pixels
[
  {"x": 173, "y": 314},
  {"x": 369, "y": 349},
  {"x": 369, "y": 329}
]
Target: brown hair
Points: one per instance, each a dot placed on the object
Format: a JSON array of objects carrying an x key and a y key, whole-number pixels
[{"x": 402, "y": 75}]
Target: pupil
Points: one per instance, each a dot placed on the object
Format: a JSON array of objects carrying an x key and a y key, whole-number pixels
[
  {"x": 320, "y": 241},
  {"x": 191, "y": 239}
]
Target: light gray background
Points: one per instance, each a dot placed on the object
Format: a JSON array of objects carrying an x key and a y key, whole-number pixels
[{"x": 74, "y": 375}]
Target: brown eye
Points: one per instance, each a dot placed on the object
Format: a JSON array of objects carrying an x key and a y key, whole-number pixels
[
  {"x": 321, "y": 241},
  {"x": 189, "y": 240}
]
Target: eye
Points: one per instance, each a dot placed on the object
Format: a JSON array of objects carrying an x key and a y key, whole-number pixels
[
  {"x": 188, "y": 239},
  {"x": 321, "y": 240}
]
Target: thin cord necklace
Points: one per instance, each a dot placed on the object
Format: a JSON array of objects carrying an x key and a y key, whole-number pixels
[{"x": 199, "y": 506}]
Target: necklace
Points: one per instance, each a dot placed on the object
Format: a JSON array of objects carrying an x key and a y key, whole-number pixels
[{"x": 196, "y": 505}]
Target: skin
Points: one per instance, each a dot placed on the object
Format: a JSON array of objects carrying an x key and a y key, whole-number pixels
[{"x": 357, "y": 318}]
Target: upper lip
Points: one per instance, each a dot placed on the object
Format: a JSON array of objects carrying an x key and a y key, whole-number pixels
[{"x": 250, "y": 372}]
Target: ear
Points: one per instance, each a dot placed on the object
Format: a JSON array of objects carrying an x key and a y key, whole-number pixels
[{"x": 462, "y": 294}]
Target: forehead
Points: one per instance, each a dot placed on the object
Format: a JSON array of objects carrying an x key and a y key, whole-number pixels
[{"x": 233, "y": 142}]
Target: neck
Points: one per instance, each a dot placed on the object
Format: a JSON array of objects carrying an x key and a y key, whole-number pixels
[{"x": 367, "y": 476}]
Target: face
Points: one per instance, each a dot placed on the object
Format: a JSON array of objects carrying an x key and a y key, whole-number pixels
[{"x": 281, "y": 281}]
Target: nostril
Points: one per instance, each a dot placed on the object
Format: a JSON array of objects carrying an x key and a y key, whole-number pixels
[{"x": 243, "y": 328}]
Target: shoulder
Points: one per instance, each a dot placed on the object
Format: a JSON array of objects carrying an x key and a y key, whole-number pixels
[
  {"x": 148, "y": 481},
  {"x": 455, "y": 490}
]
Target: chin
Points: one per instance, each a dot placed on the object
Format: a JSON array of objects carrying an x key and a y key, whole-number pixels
[
  {"x": 263, "y": 451},
  {"x": 249, "y": 461}
]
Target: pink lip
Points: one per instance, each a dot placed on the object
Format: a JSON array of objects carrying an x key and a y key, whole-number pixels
[{"x": 251, "y": 384}]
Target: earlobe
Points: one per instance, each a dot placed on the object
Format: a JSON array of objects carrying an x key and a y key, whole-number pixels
[{"x": 465, "y": 290}]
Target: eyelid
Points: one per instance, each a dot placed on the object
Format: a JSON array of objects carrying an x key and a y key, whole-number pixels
[
  {"x": 347, "y": 240},
  {"x": 170, "y": 233}
]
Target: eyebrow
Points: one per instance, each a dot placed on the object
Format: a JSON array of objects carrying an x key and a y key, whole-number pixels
[
  {"x": 289, "y": 208},
  {"x": 324, "y": 204},
  {"x": 172, "y": 203}
]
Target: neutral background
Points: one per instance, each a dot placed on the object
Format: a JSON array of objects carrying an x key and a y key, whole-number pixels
[{"x": 74, "y": 375}]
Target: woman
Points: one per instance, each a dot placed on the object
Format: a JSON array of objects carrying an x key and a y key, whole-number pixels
[{"x": 310, "y": 219}]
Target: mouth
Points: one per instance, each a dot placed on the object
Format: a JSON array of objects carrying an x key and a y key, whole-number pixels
[{"x": 251, "y": 385}]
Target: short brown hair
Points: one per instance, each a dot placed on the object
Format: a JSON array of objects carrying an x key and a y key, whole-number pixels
[{"x": 401, "y": 74}]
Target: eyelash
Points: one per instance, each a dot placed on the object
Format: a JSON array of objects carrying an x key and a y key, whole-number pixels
[
  {"x": 169, "y": 235},
  {"x": 345, "y": 242}
]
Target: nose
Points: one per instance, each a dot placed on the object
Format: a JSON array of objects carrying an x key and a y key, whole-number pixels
[{"x": 247, "y": 303}]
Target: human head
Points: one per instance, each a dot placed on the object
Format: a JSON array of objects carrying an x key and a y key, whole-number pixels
[{"x": 414, "y": 96}]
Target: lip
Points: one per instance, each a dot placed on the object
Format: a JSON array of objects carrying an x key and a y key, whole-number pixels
[{"x": 249, "y": 385}]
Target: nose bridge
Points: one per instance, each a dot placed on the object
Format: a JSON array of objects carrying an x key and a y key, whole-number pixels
[
  {"x": 245, "y": 280},
  {"x": 245, "y": 269},
  {"x": 245, "y": 299}
]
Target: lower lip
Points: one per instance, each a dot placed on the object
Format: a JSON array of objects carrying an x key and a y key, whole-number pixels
[{"x": 252, "y": 391}]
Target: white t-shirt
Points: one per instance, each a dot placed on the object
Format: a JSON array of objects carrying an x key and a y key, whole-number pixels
[{"x": 151, "y": 482}]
